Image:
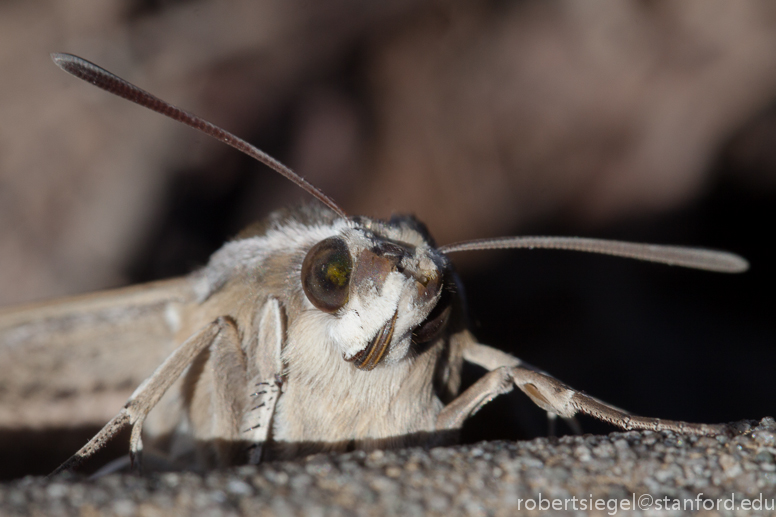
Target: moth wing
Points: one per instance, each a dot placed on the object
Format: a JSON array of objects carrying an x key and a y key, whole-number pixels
[{"x": 73, "y": 362}]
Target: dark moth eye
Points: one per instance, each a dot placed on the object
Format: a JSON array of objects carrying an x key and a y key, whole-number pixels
[
  {"x": 436, "y": 320},
  {"x": 326, "y": 274}
]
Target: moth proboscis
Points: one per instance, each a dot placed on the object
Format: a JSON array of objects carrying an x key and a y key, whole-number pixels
[{"x": 316, "y": 332}]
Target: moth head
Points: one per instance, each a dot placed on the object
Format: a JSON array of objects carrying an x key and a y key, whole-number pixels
[{"x": 378, "y": 287}]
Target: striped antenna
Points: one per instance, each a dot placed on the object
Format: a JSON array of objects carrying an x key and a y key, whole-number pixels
[
  {"x": 696, "y": 258},
  {"x": 109, "y": 82}
]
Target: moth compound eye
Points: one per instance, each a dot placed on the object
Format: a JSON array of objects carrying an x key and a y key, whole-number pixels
[
  {"x": 326, "y": 274},
  {"x": 436, "y": 321}
]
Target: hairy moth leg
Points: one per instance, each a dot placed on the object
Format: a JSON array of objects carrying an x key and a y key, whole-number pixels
[
  {"x": 147, "y": 395},
  {"x": 548, "y": 393},
  {"x": 265, "y": 367},
  {"x": 227, "y": 399}
]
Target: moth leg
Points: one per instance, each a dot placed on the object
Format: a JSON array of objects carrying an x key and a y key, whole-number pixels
[
  {"x": 228, "y": 401},
  {"x": 266, "y": 369},
  {"x": 549, "y": 394},
  {"x": 116, "y": 424},
  {"x": 147, "y": 395},
  {"x": 488, "y": 387},
  {"x": 552, "y": 420},
  {"x": 572, "y": 422},
  {"x": 552, "y": 423}
]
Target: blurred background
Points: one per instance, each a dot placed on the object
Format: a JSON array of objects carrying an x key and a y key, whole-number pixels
[{"x": 638, "y": 120}]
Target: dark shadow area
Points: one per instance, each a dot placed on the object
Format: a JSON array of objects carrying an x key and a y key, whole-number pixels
[
  {"x": 27, "y": 452},
  {"x": 39, "y": 453}
]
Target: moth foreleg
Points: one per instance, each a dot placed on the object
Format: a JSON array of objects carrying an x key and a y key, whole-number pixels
[
  {"x": 228, "y": 396},
  {"x": 477, "y": 395},
  {"x": 147, "y": 395},
  {"x": 266, "y": 373},
  {"x": 548, "y": 393}
]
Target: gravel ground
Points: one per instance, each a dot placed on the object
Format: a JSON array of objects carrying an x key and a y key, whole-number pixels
[{"x": 490, "y": 478}]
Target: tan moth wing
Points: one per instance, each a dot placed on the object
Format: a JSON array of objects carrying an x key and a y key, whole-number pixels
[{"x": 71, "y": 362}]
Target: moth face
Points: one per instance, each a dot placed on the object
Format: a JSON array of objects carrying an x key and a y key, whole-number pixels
[{"x": 378, "y": 287}]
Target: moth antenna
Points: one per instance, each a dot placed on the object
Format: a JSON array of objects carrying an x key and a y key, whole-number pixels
[
  {"x": 109, "y": 82},
  {"x": 696, "y": 258}
]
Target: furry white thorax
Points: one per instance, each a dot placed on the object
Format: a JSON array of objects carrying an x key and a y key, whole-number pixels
[{"x": 343, "y": 402}]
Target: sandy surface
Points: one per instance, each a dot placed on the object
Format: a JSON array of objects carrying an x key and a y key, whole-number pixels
[{"x": 650, "y": 469}]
